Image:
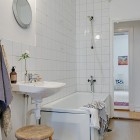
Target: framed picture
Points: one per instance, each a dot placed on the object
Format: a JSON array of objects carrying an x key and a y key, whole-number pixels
[{"x": 122, "y": 60}]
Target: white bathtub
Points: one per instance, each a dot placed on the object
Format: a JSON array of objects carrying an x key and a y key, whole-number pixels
[{"x": 70, "y": 122}]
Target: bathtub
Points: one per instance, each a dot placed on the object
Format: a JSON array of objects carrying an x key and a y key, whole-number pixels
[{"x": 68, "y": 120}]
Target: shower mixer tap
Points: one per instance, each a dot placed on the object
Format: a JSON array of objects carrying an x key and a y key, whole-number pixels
[
  {"x": 90, "y": 18},
  {"x": 92, "y": 81}
]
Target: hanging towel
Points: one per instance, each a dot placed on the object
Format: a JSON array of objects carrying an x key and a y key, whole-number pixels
[
  {"x": 103, "y": 118},
  {"x": 6, "y": 121},
  {"x": 5, "y": 93},
  {"x": 99, "y": 119},
  {"x": 103, "y": 121},
  {"x": 5, "y": 86},
  {"x": 98, "y": 104},
  {"x": 94, "y": 120}
]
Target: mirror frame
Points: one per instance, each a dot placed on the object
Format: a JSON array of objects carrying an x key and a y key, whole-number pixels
[{"x": 17, "y": 17}]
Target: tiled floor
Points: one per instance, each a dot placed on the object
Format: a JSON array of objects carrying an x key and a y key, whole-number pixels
[
  {"x": 126, "y": 114},
  {"x": 123, "y": 130}
]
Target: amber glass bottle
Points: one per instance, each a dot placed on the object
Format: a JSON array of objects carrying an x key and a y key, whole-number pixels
[{"x": 13, "y": 75}]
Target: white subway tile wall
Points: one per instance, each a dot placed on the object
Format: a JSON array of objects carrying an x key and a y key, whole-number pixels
[
  {"x": 95, "y": 61},
  {"x": 63, "y": 45},
  {"x": 56, "y": 37},
  {"x": 54, "y": 56}
]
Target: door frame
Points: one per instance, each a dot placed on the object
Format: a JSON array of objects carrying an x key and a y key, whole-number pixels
[
  {"x": 130, "y": 64},
  {"x": 130, "y": 31}
]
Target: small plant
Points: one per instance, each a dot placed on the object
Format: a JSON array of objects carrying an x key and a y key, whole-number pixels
[{"x": 25, "y": 56}]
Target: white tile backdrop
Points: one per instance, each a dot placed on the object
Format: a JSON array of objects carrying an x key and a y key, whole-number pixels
[
  {"x": 63, "y": 40},
  {"x": 54, "y": 56},
  {"x": 93, "y": 62},
  {"x": 56, "y": 38}
]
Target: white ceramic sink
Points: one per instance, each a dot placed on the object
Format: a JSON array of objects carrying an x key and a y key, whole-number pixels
[{"x": 38, "y": 90}]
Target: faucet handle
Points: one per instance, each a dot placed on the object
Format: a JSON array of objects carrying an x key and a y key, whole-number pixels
[
  {"x": 92, "y": 79},
  {"x": 37, "y": 77},
  {"x": 30, "y": 75}
]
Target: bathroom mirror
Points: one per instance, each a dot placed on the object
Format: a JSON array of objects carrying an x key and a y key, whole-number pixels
[{"x": 22, "y": 13}]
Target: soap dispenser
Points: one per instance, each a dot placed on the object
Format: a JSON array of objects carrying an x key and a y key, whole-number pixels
[{"x": 13, "y": 75}]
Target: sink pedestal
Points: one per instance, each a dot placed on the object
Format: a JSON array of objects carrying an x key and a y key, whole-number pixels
[
  {"x": 37, "y": 109},
  {"x": 37, "y": 91}
]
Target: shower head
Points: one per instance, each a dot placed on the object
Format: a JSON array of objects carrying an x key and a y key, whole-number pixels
[{"x": 90, "y": 18}]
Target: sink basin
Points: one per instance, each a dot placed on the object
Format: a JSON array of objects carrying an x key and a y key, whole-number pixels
[{"x": 38, "y": 90}]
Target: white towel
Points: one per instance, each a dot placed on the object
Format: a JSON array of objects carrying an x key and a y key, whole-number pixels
[
  {"x": 94, "y": 122},
  {"x": 98, "y": 104}
]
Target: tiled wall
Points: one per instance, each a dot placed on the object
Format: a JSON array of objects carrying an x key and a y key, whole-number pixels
[
  {"x": 95, "y": 61},
  {"x": 56, "y": 38},
  {"x": 54, "y": 56},
  {"x": 13, "y": 51}
]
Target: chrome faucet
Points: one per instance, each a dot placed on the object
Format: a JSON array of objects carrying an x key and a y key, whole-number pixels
[
  {"x": 92, "y": 81},
  {"x": 33, "y": 77}
]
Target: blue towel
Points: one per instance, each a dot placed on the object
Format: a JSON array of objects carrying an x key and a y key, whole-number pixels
[
  {"x": 5, "y": 85},
  {"x": 5, "y": 94}
]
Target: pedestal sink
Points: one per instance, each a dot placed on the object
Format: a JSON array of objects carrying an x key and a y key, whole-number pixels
[{"x": 37, "y": 91}]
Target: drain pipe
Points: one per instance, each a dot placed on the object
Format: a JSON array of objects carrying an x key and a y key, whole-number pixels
[{"x": 35, "y": 111}]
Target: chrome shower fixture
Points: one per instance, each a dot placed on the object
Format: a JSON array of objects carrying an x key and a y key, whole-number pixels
[
  {"x": 92, "y": 83},
  {"x": 90, "y": 18}
]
